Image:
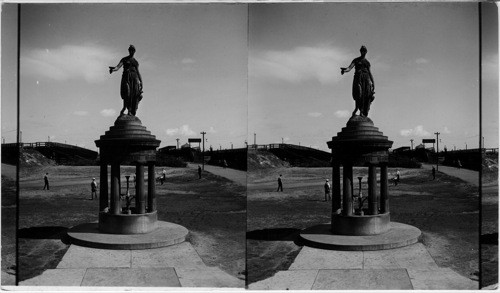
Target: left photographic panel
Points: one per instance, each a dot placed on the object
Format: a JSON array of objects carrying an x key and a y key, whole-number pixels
[
  {"x": 133, "y": 157},
  {"x": 9, "y": 146}
]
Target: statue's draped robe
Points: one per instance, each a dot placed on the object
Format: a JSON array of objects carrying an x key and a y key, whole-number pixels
[
  {"x": 362, "y": 85},
  {"x": 130, "y": 86}
]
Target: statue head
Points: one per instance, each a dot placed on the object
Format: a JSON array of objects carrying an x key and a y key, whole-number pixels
[
  {"x": 363, "y": 50},
  {"x": 131, "y": 49}
]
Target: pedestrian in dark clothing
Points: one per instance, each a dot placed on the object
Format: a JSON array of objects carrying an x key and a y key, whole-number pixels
[
  {"x": 327, "y": 191},
  {"x": 199, "y": 172},
  {"x": 433, "y": 173},
  {"x": 93, "y": 187},
  {"x": 163, "y": 177},
  {"x": 280, "y": 184},
  {"x": 46, "y": 180}
]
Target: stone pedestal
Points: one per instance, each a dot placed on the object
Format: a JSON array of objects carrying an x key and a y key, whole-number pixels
[
  {"x": 360, "y": 143},
  {"x": 127, "y": 142}
]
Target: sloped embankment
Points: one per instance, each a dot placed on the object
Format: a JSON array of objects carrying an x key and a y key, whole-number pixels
[
  {"x": 262, "y": 159},
  {"x": 32, "y": 158}
]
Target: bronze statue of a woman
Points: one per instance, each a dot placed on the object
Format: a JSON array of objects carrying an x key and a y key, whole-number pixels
[
  {"x": 363, "y": 86},
  {"x": 131, "y": 85}
]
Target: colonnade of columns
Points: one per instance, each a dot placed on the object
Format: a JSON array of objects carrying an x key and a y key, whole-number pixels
[
  {"x": 344, "y": 201},
  {"x": 142, "y": 203}
]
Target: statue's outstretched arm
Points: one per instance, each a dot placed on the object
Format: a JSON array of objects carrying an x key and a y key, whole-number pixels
[
  {"x": 344, "y": 70},
  {"x": 116, "y": 68}
]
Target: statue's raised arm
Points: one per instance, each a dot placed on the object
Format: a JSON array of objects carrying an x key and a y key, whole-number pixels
[
  {"x": 131, "y": 84},
  {"x": 363, "y": 86}
]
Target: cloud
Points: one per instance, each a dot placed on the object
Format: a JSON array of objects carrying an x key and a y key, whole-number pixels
[
  {"x": 212, "y": 130},
  {"x": 187, "y": 61},
  {"x": 81, "y": 113},
  {"x": 446, "y": 130},
  {"x": 68, "y": 62},
  {"x": 172, "y": 131},
  {"x": 314, "y": 114},
  {"x": 320, "y": 63},
  {"x": 418, "y": 131},
  {"x": 183, "y": 130},
  {"x": 108, "y": 112},
  {"x": 421, "y": 61},
  {"x": 342, "y": 113}
]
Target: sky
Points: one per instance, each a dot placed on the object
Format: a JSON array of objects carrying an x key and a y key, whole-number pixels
[
  {"x": 193, "y": 62},
  {"x": 424, "y": 58},
  {"x": 233, "y": 70}
]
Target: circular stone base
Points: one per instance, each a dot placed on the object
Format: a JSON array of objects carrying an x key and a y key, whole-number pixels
[
  {"x": 361, "y": 225},
  {"x": 165, "y": 235},
  {"x": 399, "y": 235}
]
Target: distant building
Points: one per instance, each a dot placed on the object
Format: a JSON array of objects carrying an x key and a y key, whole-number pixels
[{"x": 401, "y": 149}]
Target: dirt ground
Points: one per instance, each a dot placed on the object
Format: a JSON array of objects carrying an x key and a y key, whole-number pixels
[
  {"x": 212, "y": 209},
  {"x": 489, "y": 229},
  {"x": 446, "y": 210},
  {"x": 8, "y": 224}
]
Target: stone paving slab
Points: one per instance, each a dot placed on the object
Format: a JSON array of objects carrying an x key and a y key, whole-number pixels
[
  {"x": 413, "y": 256},
  {"x": 181, "y": 255},
  {"x": 85, "y": 257},
  {"x": 315, "y": 259},
  {"x": 287, "y": 280},
  {"x": 440, "y": 279},
  {"x": 208, "y": 277},
  {"x": 57, "y": 277},
  {"x": 376, "y": 279},
  {"x": 131, "y": 277}
]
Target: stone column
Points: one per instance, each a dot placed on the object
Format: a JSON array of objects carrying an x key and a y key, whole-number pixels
[
  {"x": 347, "y": 190},
  {"x": 384, "y": 196},
  {"x": 372, "y": 190},
  {"x": 151, "y": 188},
  {"x": 336, "y": 194},
  {"x": 140, "y": 202},
  {"x": 103, "y": 187},
  {"x": 115, "y": 208}
]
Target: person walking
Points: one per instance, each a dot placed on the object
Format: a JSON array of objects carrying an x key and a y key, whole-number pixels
[
  {"x": 163, "y": 177},
  {"x": 396, "y": 179},
  {"x": 46, "y": 180},
  {"x": 433, "y": 173},
  {"x": 93, "y": 187},
  {"x": 459, "y": 164},
  {"x": 199, "y": 172},
  {"x": 327, "y": 190},
  {"x": 280, "y": 184}
]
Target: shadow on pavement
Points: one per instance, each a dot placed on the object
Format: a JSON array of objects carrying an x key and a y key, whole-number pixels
[
  {"x": 489, "y": 238},
  {"x": 48, "y": 232},
  {"x": 277, "y": 234}
]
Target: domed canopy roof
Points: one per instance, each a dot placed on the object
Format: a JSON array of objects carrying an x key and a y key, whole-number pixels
[
  {"x": 360, "y": 141},
  {"x": 127, "y": 141}
]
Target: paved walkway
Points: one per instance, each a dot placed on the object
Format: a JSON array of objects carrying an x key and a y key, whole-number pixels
[
  {"x": 237, "y": 176},
  {"x": 172, "y": 266},
  {"x": 469, "y": 176},
  {"x": 410, "y": 267}
]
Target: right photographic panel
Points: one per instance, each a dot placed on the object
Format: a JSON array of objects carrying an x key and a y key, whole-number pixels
[{"x": 366, "y": 151}]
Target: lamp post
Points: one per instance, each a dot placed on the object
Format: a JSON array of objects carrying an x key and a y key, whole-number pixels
[{"x": 203, "y": 153}]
